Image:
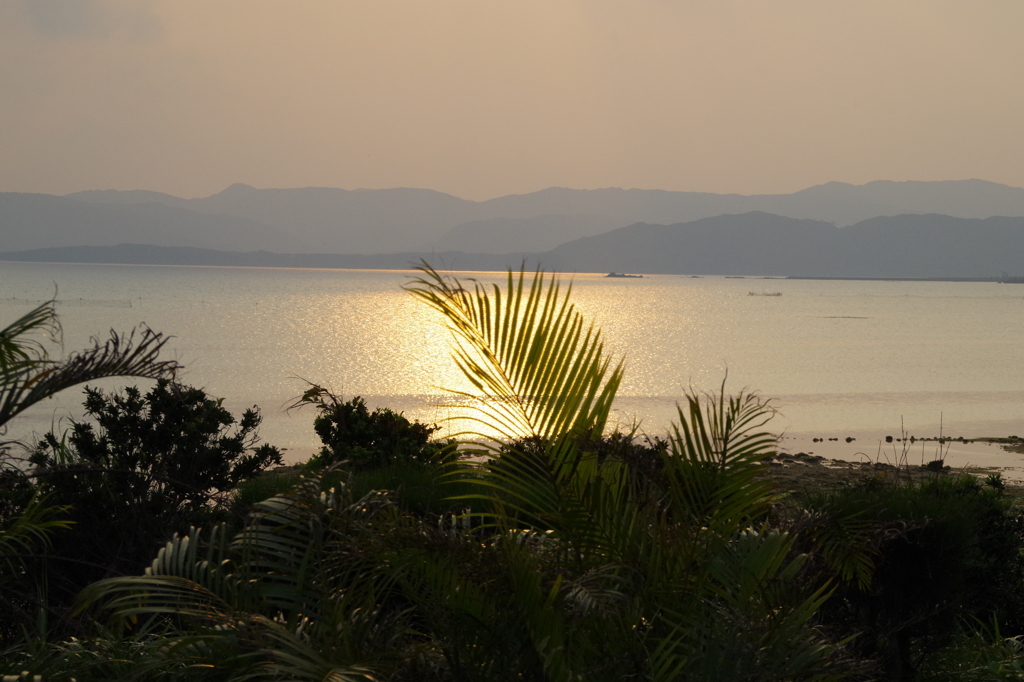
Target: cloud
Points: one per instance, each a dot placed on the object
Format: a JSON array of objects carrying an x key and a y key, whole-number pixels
[{"x": 88, "y": 19}]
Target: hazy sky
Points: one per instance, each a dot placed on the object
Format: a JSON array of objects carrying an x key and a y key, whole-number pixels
[{"x": 481, "y": 98}]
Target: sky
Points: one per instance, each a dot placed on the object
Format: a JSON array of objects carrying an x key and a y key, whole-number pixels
[{"x": 482, "y": 98}]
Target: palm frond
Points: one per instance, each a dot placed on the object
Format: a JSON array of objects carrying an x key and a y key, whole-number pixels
[
  {"x": 538, "y": 369},
  {"x": 278, "y": 598},
  {"x": 191, "y": 576},
  {"x": 29, "y": 530},
  {"x": 712, "y": 459},
  {"x": 540, "y": 373},
  {"x": 671, "y": 653},
  {"x": 29, "y": 382},
  {"x": 17, "y": 348}
]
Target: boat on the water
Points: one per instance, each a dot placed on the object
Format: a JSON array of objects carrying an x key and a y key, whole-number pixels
[{"x": 622, "y": 274}]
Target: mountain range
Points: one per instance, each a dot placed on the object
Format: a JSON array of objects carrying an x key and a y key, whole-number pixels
[{"x": 964, "y": 228}]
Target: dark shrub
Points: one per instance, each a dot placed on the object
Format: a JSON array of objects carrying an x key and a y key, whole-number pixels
[
  {"x": 642, "y": 458},
  {"x": 152, "y": 465},
  {"x": 946, "y": 551},
  {"x": 366, "y": 440}
]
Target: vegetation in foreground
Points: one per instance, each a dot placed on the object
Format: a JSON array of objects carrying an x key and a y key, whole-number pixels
[{"x": 567, "y": 554}]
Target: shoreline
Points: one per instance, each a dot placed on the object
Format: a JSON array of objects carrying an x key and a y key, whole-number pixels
[{"x": 992, "y": 454}]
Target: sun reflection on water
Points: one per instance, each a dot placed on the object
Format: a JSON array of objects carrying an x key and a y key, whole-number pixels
[{"x": 858, "y": 354}]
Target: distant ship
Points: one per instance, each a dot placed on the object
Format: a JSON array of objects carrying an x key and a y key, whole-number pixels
[
  {"x": 1009, "y": 279},
  {"x": 622, "y": 274}
]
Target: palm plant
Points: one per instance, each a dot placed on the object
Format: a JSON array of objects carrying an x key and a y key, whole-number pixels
[
  {"x": 670, "y": 570},
  {"x": 287, "y": 597},
  {"x": 22, "y": 536}
]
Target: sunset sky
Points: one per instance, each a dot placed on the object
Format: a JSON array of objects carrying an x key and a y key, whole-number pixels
[{"x": 481, "y": 98}]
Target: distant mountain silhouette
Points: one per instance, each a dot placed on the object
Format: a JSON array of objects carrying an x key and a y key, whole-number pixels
[
  {"x": 753, "y": 243},
  {"x": 756, "y": 243},
  {"x": 147, "y": 254},
  {"x": 326, "y": 220},
  {"x": 510, "y": 235},
  {"x": 29, "y": 221},
  {"x": 322, "y": 219}
]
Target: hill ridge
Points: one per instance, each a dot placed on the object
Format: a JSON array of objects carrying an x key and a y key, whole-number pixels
[{"x": 755, "y": 243}]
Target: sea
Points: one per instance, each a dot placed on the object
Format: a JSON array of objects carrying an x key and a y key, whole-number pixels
[{"x": 844, "y": 364}]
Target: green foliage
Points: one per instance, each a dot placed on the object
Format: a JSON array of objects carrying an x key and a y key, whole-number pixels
[
  {"x": 591, "y": 560},
  {"x": 944, "y": 550},
  {"x": 18, "y": 347},
  {"x": 420, "y": 488},
  {"x": 669, "y": 579},
  {"x": 102, "y": 655},
  {"x": 362, "y": 439},
  {"x": 995, "y": 481},
  {"x": 293, "y": 595},
  {"x": 579, "y": 556},
  {"x": 266, "y": 485},
  {"x": 23, "y": 536},
  {"x": 27, "y": 518},
  {"x": 150, "y": 465},
  {"x": 162, "y": 453},
  {"x": 29, "y": 529},
  {"x": 977, "y": 652},
  {"x": 715, "y": 449}
]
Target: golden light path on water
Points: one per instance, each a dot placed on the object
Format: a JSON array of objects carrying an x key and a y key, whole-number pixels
[{"x": 408, "y": 344}]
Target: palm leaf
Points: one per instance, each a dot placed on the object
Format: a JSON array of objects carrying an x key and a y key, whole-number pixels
[
  {"x": 539, "y": 373},
  {"x": 191, "y": 576},
  {"x": 537, "y": 368},
  {"x": 27, "y": 377},
  {"x": 26, "y": 532},
  {"x": 15, "y": 349},
  {"x": 713, "y": 457},
  {"x": 272, "y": 601}
]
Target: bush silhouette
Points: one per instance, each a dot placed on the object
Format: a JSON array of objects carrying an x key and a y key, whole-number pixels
[
  {"x": 152, "y": 465},
  {"x": 366, "y": 440}
]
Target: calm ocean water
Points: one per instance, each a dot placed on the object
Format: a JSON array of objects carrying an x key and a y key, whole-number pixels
[{"x": 837, "y": 358}]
